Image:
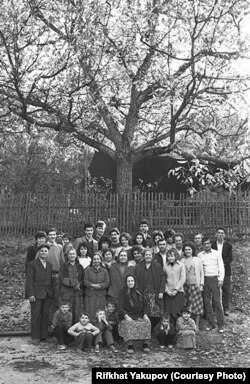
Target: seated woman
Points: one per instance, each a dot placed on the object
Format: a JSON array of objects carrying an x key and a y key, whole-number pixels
[
  {"x": 71, "y": 277},
  {"x": 151, "y": 282},
  {"x": 133, "y": 313}
]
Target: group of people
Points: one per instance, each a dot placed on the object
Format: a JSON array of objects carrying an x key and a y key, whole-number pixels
[{"x": 100, "y": 288}]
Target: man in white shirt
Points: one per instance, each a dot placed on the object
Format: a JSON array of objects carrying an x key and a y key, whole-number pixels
[{"x": 214, "y": 273}]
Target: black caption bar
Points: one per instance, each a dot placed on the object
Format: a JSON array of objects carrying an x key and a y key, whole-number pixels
[{"x": 167, "y": 375}]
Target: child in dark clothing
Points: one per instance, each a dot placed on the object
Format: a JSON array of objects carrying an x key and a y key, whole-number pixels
[
  {"x": 105, "y": 334},
  {"x": 165, "y": 332},
  {"x": 61, "y": 322},
  {"x": 112, "y": 318}
]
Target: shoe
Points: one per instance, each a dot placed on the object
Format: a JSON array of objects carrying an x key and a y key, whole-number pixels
[
  {"x": 221, "y": 330},
  {"x": 226, "y": 313},
  {"x": 145, "y": 347},
  {"x": 35, "y": 341},
  {"x": 130, "y": 349},
  {"x": 113, "y": 348},
  {"x": 61, "y": 347},
  {"x": 79, "y": 350},
  {"x": 170, "y": 346},
  {"x": 210, "y": 328},
  {"x": 162, "y": 346},
  {"x": 97, "y": 348}
]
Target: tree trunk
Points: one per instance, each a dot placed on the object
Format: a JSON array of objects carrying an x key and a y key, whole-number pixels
[{"x": 124, "y": 167}]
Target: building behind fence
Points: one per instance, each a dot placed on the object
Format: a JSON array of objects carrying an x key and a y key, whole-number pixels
[{"x": 27, "y": 213}]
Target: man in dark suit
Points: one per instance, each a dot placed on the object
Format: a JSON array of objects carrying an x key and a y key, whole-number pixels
[
  {"x": 39, "y": 292},
  {"x": 226, "y": 252}
]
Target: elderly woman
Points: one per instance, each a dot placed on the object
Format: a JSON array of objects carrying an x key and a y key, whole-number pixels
[
  {"x": 133, "y": 313},
  {"x": 96, "y": 281},
  {"x": 71, "y": 277},
  {"x": 117, "y": 274},
  {"x": 193, "y": 286},
  {"x": 175, "y": 275},
  {"x": 151, "y": 283}
]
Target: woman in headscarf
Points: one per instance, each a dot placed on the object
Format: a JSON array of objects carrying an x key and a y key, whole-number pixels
[
  {"x": 151, "y": 282},
  {"x": 133, "y": 313}
]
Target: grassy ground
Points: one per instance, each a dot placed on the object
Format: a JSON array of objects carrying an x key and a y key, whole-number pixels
[{"x": 25, "y": 363}]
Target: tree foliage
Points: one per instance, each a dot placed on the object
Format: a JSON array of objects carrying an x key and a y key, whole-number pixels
[{"x": 131, "y": 78}]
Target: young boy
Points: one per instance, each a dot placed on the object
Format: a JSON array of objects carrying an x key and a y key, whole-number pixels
[
  {"x": 186, "y": 330},
  {"x": 112, "y": 317},
  {"x": 61, "y": 322},
  {"x": 105, "y": 334},
  {"x": 84, "y": 333},
  {"x": 165, "y": 332}
]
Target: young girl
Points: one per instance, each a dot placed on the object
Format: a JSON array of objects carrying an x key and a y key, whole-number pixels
[
  {"x": 105, "y": 334},
  {"x": 138, "y": 239},
  {"x": 84, "y": 333},
  {"x": 186, "y": 330},
  {"x": 83, "y": 257},
  {"x": 165, "y": 332}
]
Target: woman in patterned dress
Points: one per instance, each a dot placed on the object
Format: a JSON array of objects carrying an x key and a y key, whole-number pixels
[{"x": 193, "y": 286}]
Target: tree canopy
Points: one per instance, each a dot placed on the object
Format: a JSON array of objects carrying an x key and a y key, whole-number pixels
[{"x": 130, "y": 78}]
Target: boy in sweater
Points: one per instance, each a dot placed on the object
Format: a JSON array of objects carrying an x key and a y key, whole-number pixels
[{"x": 61, "y": 322}]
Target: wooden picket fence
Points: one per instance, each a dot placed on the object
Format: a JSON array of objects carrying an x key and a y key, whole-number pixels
[{"x": 27, "y": 213}]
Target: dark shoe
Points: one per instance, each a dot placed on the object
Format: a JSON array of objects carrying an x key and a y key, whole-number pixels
[
  {"x": 35, "y": 341},
  {"x": 226, "y": 313},
  {"x": 145, "y": 347},
  {"x": 130, "y": 349}
]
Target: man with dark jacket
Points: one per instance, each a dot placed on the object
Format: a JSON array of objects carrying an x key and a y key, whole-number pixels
[
  {"x": 39, "y": 293},
  {"x": 226, "y": 252}
]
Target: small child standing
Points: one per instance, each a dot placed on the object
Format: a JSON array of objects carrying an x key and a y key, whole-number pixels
[
  {"x": 84, "y": 333},
  {"x": 61, "y": 322},
  {"x": 186, "y": 330},
  {"x": 112, "y": 318},
  {"x": 105, "y": 334},
  {"x": 165, "y": 332}
]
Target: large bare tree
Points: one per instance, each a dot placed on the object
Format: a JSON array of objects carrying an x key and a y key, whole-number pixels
[{"x": 130, "y": 78}]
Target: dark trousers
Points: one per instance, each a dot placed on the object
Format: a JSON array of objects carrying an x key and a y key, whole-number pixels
[
  {"x": 212, "y": 293},
  {"x": 164, "y": 339},
  {"x": 40, "y": 318},
  {"x": 105, "y": 336},
  {"x": 61, "y": 334},
  {"x": 226, "y": 292},
  {"x": 55, "y": 287},
  {"x": 84, "y": 340}
]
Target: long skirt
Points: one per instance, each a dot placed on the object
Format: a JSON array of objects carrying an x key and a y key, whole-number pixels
[
  {"x": 92, "y": 303},
  {"x": 173, "y": 304},
  {"x": 193, "y": 299},
  {"x": 135, "y": 329}
]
